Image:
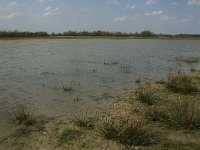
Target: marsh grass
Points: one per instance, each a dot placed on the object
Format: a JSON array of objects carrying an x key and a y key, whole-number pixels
[
  {"x": 67, "y": 88},
  {"x": 22, "y": 115},
  {"x": 84, "y": 121},
  {"x": 126, "y": 69},
  {"x": 188, "y": 60},
  {"x": 184, "y": 114},
  {"x": 181, "y": 83},
  {"x": 132, "y": 132},
  {"x": 68, "y": 134},
  {"x": 146, "y": 95},
  {"x": 156, "y": 114},
  {"x": 180, "y": 115}
]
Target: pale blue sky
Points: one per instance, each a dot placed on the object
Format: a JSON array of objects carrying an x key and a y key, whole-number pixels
[{"x": 159, "y": 16}]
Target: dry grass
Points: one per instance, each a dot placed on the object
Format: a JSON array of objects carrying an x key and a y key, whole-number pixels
[
  {"x": 131, "y": 132},
  {"x": 181, "y": 83}
]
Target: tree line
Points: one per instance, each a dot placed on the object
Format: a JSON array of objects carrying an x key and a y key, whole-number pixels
[{"x": 142, "y": 34}]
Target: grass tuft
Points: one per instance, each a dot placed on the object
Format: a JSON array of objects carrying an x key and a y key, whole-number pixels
[
  {"x": 84, "y": 121},
  {"x": 180, "y": 114},
  {"x": 146, "y": 95},
  {"x": 22, "y": 115},
  {"x": 68, "y": 134},
  {"x": 131, "y": 133},
  {"x": 180, "y": 83}
]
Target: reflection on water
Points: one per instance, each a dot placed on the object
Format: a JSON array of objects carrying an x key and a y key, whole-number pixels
[{"x": 35, "y": 72}]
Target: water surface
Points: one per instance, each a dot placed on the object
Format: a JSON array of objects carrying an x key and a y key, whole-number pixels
[{"x": 34, "y": 72}]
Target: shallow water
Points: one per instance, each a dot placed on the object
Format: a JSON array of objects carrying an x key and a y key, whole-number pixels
[{"x": 34, "y": 72}]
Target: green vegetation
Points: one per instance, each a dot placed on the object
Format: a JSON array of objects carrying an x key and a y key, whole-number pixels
[
  {"x": 180, "y": 114},
  {"x": 188, "y": 60},
  {"x": 22, "y": 115},
  {"x": 132, "y": 132},
  {"x": 68, "y": 134},
  {"x": 143, "y": 34},
  {"x": 181, "y": 82},
  {"x": 145, "y": 94}
]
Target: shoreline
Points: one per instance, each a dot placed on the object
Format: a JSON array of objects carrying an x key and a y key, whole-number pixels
[
  {"x": 2, "y": 39},
  {"x": 85, "y": 132}
]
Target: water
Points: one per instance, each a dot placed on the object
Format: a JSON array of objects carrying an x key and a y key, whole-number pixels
[{"x": 34, "y": 72}]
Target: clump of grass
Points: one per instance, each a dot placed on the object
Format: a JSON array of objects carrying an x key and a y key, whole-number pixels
[
  {"x": 145, "y": 94},
  {"x": 137, "y": 81},
  {"x": 188, "y": 60},
  {"x": 184, "y": 114},
  {"x": 67, "y": 88},
  {"x": 84, "y": 121},
  {"x": 181, "y": 83},
  {"x": 22, "y": 115},
  {"x": 132, "y": 133},
  {"x": 157, "y": 115},
  {"x": 68, "y": 134},
  {"x": 181, "y": 114}
]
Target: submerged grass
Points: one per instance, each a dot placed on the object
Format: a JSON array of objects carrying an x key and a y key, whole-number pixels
[
  {"x": 181, "y": 83},
  {"x": 132, "y": 133},
  {"x": 188, "y": 60},
  {"x": 22, "y": 115}
]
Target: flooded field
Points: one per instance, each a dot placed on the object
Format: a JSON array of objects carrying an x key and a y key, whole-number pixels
[{"x": 57, "y": 77}]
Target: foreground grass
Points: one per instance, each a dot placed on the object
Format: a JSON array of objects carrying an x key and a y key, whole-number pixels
[
  {"x": 181, "y": 83},
  {"x": 133, "y": 132},
  {"x": 158, "y": 116}
]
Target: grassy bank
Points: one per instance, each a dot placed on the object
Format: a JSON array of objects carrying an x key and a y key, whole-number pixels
[{"x": 160, "y": 115}]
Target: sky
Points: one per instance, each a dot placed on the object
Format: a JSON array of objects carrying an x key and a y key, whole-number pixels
[{"x": 159, "y": 16}]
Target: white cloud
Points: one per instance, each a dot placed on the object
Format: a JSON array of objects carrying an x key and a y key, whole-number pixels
[
  {"x": 154, "y": 13},
  {"x": 115, "y": 2},
  {"x": 185, "y": 20},
  {"x": 151, "y": 2},
  {"x": 9, "y": 12},
  {"x": 164, "y": 18},
  {"x": 193, "y": 2},
  {"x": 47, "y": 8},
  {"x": 12, "y": 4},
  {"x": 84, "y": 9},
  {"x": 120, "y": 19},
  {"x": 41, "y": 1},
  {"x": 8, "y": 16},
  {"x": 175, "y": 3},
  {"x": 50, "y": 11},
  {"x": 129, "y": 6}
]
